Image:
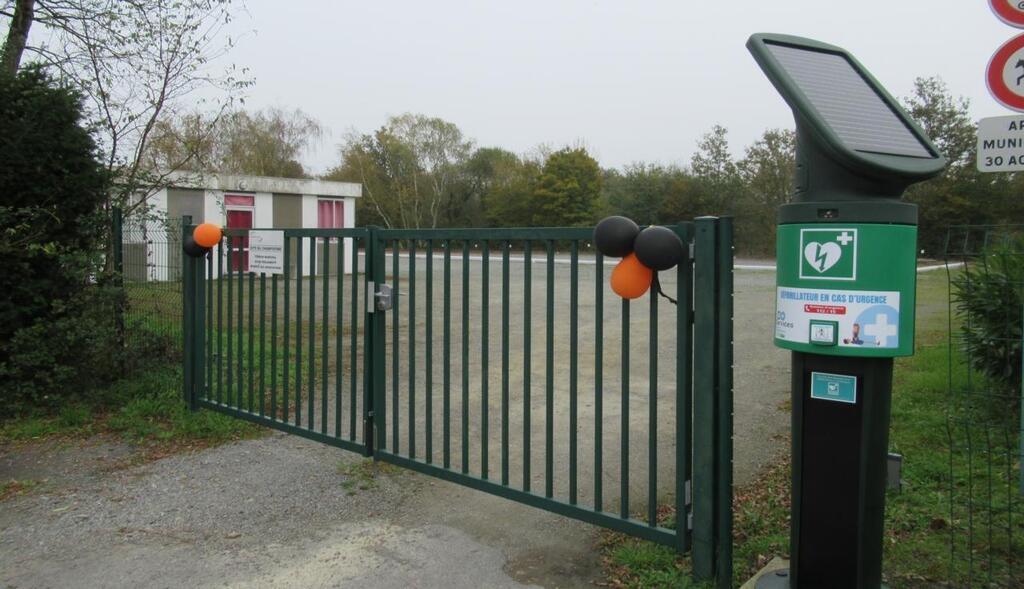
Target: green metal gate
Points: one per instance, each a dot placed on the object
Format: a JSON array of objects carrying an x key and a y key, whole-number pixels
[{"x": 502, "y": 362}]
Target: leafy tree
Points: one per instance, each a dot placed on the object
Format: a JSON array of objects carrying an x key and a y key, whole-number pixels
[
  {"x": 133, "y": 61},
  {"x": 961, "y": 194},
  {"x": 488, "y": 171},
  {"x": 716, "y": 173},
  {"x": 568, "y": 189},
  {"x": 265, "y": 143},
  {"x": 508, "y": 197},
  {"x": 766, "y": 170},
  {"x": 409, "y": 169},
  {"x": 639, "y": 192},
  {"x": 52, "y": 188}
]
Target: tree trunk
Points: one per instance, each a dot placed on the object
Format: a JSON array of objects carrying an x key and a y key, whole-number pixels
[{"x": 17, "y": 36}]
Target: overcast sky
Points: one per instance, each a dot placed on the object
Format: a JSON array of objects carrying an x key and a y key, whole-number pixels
[{"x": 636, "y": 80}]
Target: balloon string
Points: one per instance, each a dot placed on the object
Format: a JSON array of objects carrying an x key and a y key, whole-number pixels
[{"x": 657, "y": 286}]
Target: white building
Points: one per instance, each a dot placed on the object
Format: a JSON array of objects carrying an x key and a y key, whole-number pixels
[{"x": 152, "y": 251}]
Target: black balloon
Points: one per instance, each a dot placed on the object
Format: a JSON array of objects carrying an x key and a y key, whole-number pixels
[
  {"x": 658, "y": 248},
  {"x": 193, "y": 249},
  {"x": 614, "y": 236}
]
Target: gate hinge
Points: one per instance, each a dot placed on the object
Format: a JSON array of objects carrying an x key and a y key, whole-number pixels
[
  {"x": 689, "y": 521},
  {"x": 687, "y": 499}
]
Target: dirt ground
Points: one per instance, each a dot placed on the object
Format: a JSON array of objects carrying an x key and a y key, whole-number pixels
[{"x": 281, "y": 511}]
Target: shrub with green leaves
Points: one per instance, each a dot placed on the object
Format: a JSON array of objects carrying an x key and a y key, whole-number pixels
[
  {"x": 55, "y": 320},
  {"x": 989, "y": 296}
]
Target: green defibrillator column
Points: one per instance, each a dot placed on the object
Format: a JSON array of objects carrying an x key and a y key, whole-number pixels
[{"x": 844, "y": 300}]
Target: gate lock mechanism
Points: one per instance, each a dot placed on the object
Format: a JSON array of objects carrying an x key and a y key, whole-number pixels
[{"x": 383, "y": 298}]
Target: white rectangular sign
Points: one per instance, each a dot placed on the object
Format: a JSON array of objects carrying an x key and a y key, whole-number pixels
[
  {"x": 1001, "y": 144},
  {"x": 864, "y": 318},
  {"x": 266, "y": 252}
]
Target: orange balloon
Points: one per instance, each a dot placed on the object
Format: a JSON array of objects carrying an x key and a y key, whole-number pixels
[
  {"x": 630, "y": 278},
  {"x": 207, "y": 235}
]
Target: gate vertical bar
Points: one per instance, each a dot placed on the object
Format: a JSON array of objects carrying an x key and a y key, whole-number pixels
[
  {"x": 412, "y": 348},
  {"x": 485, "y": 278},
  {"x": 505, "y": 247},
  {"x": 464, "y": 439},
  {"x": 428, "y": 357},
  {"x": 376, "y": 414},
  {"x": 574, "y": 292},
  {"x": 723, "y": 509},
  {"x": 527, "y": 321},
  {"x": 598, "y": 381},
  {"x": 704, "y": 409},
  {"x": 549, "y": 375},
  {"x": 652, "y": 413},
  {"x": 396, "y": 248},
  {"x": 684, "y": 392}
]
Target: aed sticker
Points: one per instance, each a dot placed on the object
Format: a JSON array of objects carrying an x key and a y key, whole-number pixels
[
  {"x": 864, "y": 318},
  {"x": 841, "y": 388}
]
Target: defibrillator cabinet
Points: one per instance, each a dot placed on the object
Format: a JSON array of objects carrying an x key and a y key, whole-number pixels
[{"x": 845, "y": 296}]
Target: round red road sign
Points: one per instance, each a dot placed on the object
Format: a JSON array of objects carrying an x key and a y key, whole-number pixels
[
  {"x": 1005, "y": 74},
  {"x": 1010, "y": 12}
]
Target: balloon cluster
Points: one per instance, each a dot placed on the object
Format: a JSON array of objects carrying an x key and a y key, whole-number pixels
[
  {"x": 643, "y": 253},
  {"x": 202, "y": 240}
]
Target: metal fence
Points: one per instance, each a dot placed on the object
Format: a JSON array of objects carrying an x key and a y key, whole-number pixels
[
  {"x": 504, "y": 363},
  {"x": 985, "y": 426},
  {"x": 148, "y": 256}
]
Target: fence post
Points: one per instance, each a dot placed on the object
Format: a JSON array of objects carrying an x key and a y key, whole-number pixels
[
  {"x": 723, "y": 509},
  {"x": 117, "y": 243},
  {"x": 117, "y": 258},
  {"x": 187, "y": 318},
  {"x": 705, "y": 406}
]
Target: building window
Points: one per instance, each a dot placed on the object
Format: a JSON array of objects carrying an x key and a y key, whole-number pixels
[{"x": 330, "y": 213}]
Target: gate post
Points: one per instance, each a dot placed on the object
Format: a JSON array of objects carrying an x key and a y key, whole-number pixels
[
  {"x": 713, "y": 400},
  {"x": 705, "y": 406},
  {"x": 373, "y": 364}
]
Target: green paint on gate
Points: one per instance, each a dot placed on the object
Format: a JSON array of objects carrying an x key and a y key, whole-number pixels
[{"x": 235, "y": 363}]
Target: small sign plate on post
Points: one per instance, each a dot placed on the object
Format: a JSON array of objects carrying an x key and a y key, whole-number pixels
[
  {"x": 1001, "y": 144},
  {"x": 841, "y": 388},
  {"x": 266, "y": 252}
]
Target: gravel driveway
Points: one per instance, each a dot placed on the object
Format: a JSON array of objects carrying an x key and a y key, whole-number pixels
[{"x": 283, "y": 512}]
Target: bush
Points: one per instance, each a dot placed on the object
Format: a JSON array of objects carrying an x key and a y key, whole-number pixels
[
  {"x": 64, "y": 356},
  {"x": 57, "y": 335},
  {"x": 989, "y": 295}
]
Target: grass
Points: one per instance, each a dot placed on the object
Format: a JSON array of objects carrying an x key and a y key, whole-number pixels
[
  {"x": 362, "y": 475},
  {"x": 919, "y": 531},
  {"x": 14, "y": 488}
]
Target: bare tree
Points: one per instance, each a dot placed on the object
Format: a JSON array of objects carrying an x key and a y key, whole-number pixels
[{"x": 135, "y": 61}]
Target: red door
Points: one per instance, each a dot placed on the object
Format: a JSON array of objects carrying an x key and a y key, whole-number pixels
[{"x": 239, "y": 258}]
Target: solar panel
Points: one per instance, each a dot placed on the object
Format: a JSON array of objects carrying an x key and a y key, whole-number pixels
[{"x": 861, "y": 118}]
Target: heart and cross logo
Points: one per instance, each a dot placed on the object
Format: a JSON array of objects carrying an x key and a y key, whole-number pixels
[
  {"x": 828, "y": 254},
  {"x": 822, "y": 256}
]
